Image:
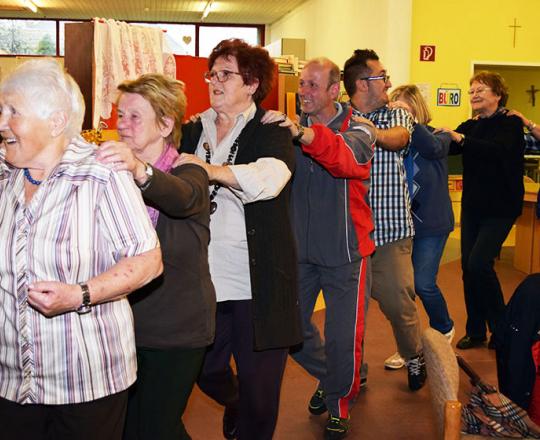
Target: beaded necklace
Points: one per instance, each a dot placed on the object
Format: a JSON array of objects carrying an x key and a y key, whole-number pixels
[
  {"x": 30, "y": 178},
  {"x": 230, "y": 161}
]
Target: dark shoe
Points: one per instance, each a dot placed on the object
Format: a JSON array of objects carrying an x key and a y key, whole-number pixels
[
  {"x": 467, "y": 342},
  {"x": 317, "y": 405},
  {"x": 416, "y": 372},
  {"x": 230, "y": 430},
  {"x": 336, "y": 428},
  {"x": 363, "y": 383}
]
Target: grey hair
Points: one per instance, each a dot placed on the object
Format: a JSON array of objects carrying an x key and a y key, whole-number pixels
[{"x": 48, "y": 89}]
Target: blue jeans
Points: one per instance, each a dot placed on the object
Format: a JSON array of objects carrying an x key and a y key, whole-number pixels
[{"x": 426, "y": 256}]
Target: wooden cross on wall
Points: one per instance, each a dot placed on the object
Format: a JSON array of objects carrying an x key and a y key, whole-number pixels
[
  {"x": 533, "y": 91},
  {"x": 515, "y": 26}
]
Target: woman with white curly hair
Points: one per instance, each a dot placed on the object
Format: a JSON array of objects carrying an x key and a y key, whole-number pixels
[{"x": 76, "y": 239}]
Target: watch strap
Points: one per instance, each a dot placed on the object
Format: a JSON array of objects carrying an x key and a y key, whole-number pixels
[
  {"x": 300, "y": 133},
  {"x": 85, "y": 306},
  {"x": 149, "y": 171}
]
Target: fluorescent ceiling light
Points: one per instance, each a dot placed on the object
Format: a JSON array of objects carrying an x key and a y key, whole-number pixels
[
  {"x": 207, "y": 9},
  {"x": 28, "y": 4}
]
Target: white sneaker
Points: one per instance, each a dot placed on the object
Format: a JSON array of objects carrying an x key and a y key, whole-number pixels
[
  {"x": 394, "y": 362},
  {"x": 450, "y": 334}
]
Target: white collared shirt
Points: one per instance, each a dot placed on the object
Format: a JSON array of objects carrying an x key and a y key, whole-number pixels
[{"x": 260, "y": 180}]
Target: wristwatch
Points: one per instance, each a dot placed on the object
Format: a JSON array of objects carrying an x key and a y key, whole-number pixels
[
  {"x": 300, "y": 133},
  {"x": 149, "y": 171},
  {"x": 85, "y": 306}
]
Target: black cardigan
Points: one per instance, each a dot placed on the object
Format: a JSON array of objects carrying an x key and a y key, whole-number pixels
[
  {"x": 271, "y": 246},
  {"x": 178, "y": 309},
  {"x": 492, "y": 165}
]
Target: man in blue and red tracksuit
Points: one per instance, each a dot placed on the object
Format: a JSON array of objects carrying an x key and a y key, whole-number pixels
[{"x": 332, "y": 223}]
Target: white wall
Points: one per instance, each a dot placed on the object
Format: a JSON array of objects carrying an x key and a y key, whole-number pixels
[{"x": 335, "y": 28}]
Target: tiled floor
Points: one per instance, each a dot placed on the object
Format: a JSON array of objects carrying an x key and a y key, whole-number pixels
[{"x": 386, "y": 410}]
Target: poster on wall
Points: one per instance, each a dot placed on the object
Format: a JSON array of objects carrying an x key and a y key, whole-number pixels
[{"x": 448, "y": 97}]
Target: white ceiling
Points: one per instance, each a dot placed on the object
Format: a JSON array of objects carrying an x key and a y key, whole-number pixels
[{"x": 183, "y": 11}]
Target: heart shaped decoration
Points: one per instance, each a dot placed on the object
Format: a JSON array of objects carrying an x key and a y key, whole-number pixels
[{"x": 186, "y": 39}]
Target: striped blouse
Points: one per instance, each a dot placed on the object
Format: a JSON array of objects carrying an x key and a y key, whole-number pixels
[{"x": 81, "y": 221}]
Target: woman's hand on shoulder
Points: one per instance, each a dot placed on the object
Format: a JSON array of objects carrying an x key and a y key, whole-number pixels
[
  {"x": 185, "y": 158},
  {"x": 519, "y": 115},
  {"x": 273, "y": 116},
  {"x": 456, "y": 137},
  {"x": 119, "y": 156},
  {"x": 52, "y": 298}
]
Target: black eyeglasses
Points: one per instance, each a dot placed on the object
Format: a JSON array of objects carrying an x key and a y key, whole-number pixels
[
  {"x": 384, "y": 77},
  {"x": 220, "y": 75}
]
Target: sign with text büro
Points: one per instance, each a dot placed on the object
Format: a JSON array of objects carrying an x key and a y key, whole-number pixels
[
  {"x": 427, "y": 53},
  {"x": 448, "y": 97}
]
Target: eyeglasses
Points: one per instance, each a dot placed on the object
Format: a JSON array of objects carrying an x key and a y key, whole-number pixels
[
  {"x": 478, "y": 91},
  {"x": 220, "y": 75},
  {"x": 384, "y": 77}
]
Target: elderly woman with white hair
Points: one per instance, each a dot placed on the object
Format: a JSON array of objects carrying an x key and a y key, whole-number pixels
[{"x": 76, "y": 239}]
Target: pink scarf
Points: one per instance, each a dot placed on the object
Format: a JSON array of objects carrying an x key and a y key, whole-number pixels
[{"x": 164, "y": 163}]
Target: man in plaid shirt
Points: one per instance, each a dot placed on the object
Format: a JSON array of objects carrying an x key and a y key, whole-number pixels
[{"x": 366, "y": 79}]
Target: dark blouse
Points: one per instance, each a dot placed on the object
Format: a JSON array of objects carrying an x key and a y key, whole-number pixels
[{"x": 492, "y": 165}]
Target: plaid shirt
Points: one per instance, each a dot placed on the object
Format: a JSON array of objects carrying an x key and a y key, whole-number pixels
[
  {"x": 389, "y": 195},
  {"x": 532, "y": 145}
]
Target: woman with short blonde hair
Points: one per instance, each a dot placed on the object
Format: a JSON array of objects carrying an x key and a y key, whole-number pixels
[
  {"x": 411, "y": 94},
  {"x": 174, "y": 315}
]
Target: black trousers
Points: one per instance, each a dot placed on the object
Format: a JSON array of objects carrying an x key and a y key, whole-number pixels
[
  {"x": 255, "y": 391},
  {"x": 165, "y": 379},
  {"x": 481, "y": 242},
  {"x": 96, "y": 420}
]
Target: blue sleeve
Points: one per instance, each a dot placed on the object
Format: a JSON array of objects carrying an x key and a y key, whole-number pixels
[{"x": 430, "y": 146}]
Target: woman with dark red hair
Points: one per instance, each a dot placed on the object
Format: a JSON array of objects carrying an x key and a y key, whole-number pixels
[
  {"x": 491, "y": 144},
  {"x": 252, "y": 253}
]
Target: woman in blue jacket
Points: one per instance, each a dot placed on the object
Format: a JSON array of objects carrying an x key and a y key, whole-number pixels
[{"x": 431, "y": 208}]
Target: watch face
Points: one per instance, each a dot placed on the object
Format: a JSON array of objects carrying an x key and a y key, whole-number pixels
[
  {"x": 83, "y": 309},
  {"x": 149, "y": 170}
]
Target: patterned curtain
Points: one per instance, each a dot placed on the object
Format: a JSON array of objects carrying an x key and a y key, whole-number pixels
[{"x": 123, "y": 51}]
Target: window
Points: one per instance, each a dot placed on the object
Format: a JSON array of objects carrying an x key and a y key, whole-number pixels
[
  {"x": 28, "y": 37},
  {"x": 210, "y": 36},
  {"x": 38, "y": 37},
  {"x": 179, "y": 37}
]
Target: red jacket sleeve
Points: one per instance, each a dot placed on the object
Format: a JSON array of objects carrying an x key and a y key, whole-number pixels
[{"x": 345, "y": 155}]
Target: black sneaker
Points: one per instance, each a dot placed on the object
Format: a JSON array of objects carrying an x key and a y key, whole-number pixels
[
  {"x": 416, "y": 372},
  {"x": 230, "y": 416},
  {"x": 317, "y": 405},
  {"x": 336, "y": 428},
  {"x": 363, "y": 383},
  {"x": 467, "y": 342}
]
